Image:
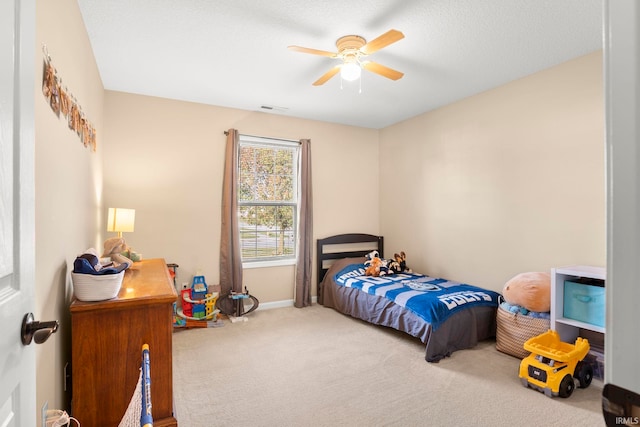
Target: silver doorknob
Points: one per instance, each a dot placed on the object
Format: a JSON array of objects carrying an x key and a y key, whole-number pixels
[{"x": 37, "y": 331}]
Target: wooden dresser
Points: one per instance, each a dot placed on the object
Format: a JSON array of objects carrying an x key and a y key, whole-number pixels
[{"x": 106, "y": 345}]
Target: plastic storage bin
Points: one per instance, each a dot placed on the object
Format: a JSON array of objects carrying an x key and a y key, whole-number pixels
[{"x": 584, "y": 300}]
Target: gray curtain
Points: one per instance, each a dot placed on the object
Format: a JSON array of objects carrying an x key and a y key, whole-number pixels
[
  {"x": 230, "y": 256},
  {"x": 305, "y": 230}
]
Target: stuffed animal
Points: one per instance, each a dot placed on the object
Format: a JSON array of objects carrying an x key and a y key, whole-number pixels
[
  {"x": 375, "y": 265},
  {"x": 529, "y": 290},
  {"x": 401, "y": 260},
  {"x": 394, "y": 266},
  {"x": 373, "y": 268},
  {"x": 371, "y": 256},
  {"x": 384, "y": 268},
  {"x": 114, "y": 247},
  {"x": 371, "y": 263}
]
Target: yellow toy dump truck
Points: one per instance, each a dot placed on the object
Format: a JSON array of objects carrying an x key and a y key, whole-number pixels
[{"x": 553, "y": 365}]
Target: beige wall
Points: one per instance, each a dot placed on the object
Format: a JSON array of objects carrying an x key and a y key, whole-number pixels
[
  {"x": 68, "y": 185},
  {"x": 508, "y": 181},
  {"x": 165, "y": 159}
]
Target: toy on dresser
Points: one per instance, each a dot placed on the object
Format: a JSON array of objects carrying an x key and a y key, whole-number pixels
[{"x": 114, "y": 248}]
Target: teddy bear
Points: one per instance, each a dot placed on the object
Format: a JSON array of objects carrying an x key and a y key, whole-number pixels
[
  {"x": 375, "y": 265},
  {"x": 113, "y": 248},
  {"x": 531, "y": 291},
  {"x": 373, "y": 268}
]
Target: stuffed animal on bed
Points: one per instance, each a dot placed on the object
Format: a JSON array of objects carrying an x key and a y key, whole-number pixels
[
  {"x": 371, "y": 263},
  {"x": 401, "y": 260},
  {"x": 394, "y": 266},
  {"x": 375, "y": 265},
  {"x": 373, "y": 269},
  {"x": 371, "y": 256},
  {"x": 529, "y": 290}
]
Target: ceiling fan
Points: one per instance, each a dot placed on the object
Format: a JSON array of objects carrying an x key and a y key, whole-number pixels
[{"x": 351, "y": 50}]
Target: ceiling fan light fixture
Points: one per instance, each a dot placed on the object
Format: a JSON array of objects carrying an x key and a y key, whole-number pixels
[
  {"x": 350, "y": 71},
  {"x": 351, "y": 50}
]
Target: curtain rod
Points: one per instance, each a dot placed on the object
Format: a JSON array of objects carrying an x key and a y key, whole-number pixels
[{"x": 266, "y": 137}]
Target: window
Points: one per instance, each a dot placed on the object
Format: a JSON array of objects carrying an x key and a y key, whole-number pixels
[{"x": 267, "y": 198}]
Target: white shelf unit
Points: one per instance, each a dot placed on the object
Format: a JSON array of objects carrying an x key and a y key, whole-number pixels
[{"x": 569, "y": 329}]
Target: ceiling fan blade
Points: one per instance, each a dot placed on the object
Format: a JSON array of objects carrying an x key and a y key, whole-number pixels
[
  {"x": 387, "y": 72},
  {"x": 384, "y": 40},
  {"x": 326, "y": 76},
  {"x": 313, "y": 51}
]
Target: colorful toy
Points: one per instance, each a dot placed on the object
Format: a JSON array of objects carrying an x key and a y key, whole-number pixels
[
  {"x": 198, "y": 288},
  {"x": 197, "y": 303},
  {"x": 197, "y": 311},
  {"x": 178, "y": 321},
  {"x": 210, "y": 303},
  {"x": 529, "y": 290},
  {"x": 552, "y": 365},
  {"x": 187, "y": 307}
]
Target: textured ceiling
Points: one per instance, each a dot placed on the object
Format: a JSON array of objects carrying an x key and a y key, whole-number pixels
[{"x": 233, "y": 53}]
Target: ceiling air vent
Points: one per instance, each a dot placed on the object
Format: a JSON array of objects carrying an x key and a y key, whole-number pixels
[{"x": 273, "y": 108}]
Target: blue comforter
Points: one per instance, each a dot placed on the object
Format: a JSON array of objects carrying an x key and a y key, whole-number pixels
[{"x": 432, "y": 299}]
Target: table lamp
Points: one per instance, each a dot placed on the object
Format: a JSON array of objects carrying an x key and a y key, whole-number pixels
[{"x": 120, "y": 219}]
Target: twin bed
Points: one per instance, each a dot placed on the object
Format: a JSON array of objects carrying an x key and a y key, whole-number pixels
[{"x": 445, "y": 315}]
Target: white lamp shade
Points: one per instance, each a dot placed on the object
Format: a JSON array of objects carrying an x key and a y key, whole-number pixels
[
  {"x": 121, "y": 220},
  {"x": 350, "y": 71}
]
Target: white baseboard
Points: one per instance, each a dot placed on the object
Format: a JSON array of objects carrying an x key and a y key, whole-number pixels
[{"x": 281, "y": 304}]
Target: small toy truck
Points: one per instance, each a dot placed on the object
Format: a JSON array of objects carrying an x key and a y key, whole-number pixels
[{"x": 553, "y": 365}]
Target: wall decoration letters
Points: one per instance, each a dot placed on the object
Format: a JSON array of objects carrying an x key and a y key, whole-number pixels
[{"x": 64, "y": 104}]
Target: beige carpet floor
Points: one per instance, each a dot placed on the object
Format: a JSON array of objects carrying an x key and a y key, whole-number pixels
[{"x": 316, "y": 367}]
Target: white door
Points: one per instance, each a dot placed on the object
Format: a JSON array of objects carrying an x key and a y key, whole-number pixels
[
  {"x": 17, "y": 246},
  {"x": 622, "y": 83}
]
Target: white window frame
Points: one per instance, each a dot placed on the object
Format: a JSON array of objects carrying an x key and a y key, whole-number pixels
[{"x": 279, "y": 260}]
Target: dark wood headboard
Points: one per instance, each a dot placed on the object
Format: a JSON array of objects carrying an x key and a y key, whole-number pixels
[{"x": 350, "y": 243}]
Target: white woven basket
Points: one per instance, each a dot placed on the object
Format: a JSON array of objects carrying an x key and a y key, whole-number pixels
[{"x": 91, "y": 287}]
